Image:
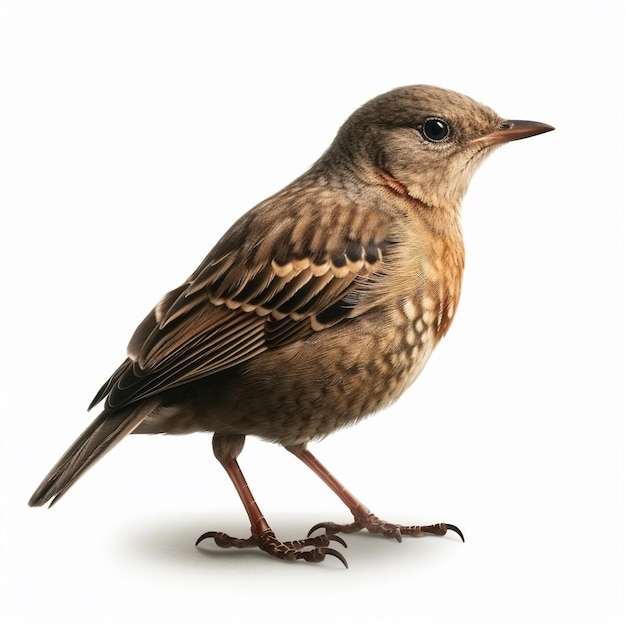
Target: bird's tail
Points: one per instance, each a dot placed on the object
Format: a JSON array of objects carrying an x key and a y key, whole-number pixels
[{"x": 100, "y": 436}]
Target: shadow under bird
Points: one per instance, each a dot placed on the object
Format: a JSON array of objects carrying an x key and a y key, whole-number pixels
[{"x": 318, "y": 307}]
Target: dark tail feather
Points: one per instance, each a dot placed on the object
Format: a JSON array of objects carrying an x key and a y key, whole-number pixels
[{"x": 99, "y": 437}]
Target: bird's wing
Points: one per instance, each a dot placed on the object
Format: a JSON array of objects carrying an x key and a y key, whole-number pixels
[{"x": 267, "y": 283}]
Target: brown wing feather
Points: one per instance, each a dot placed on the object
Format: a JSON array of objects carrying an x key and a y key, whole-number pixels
[{"x": 238, "y": 304}]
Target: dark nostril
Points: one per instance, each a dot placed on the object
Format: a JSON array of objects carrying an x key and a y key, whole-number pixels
[{"x": 506, "y": 125}]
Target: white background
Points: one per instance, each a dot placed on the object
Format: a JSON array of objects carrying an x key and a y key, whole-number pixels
[{"x": 134, "y": 133}]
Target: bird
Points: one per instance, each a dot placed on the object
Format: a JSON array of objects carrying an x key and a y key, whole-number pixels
[{"x": 318, "y": 307}]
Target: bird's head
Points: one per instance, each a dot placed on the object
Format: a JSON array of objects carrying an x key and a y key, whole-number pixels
[{"x": 427, "y": 142}]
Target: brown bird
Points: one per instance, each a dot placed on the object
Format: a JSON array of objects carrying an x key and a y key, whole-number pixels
[{"x": 319, "y": 306}]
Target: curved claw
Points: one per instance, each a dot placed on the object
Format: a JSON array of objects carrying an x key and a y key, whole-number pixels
[
  {"x": 226, "y": 541},
  {"x": 317, "y": 527},
  {"x": 455, "y": 529},
  {"x": 210, "y": 535},
  {"x": 337, "y": 555},
  {"x": 337, "y": 539}
]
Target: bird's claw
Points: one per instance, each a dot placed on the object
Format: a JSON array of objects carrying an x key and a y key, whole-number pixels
[
  {"x": 324, "y": 552},
  {"x": 335, "y": 538},
  {"x": 288, "y": 550},
  {"x": 375, "y": 525},
  {"x": 441, "y": 529}
]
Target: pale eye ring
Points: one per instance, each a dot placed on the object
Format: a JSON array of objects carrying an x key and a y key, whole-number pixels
[{"x": 435, "y": 129}]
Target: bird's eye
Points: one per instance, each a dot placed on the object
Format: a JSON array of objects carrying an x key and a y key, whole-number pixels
[{"x": 435, "y": 129}]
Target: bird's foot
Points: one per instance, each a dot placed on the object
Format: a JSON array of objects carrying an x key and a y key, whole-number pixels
[
  {"x": 314, "y": 549},
  {"x": 375, "y": 525}
]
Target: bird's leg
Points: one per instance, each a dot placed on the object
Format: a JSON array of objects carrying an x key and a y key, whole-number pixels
[
  {"x": 226, "y": 449},
  {"x": 363, "y": 517}
]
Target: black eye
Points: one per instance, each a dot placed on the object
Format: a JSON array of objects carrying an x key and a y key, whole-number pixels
[{"x": 435, "y": 129}]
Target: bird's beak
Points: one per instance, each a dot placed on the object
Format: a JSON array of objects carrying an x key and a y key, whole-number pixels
[{"x": 511, "y": 130}]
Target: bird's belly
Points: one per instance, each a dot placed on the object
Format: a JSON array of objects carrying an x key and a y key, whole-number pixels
[
  {"x": 306, "y": 390},
  {"x": 309, "y": 390}
]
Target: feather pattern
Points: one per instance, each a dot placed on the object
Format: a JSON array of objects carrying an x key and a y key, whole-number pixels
[{"x": 239, "y": 303}]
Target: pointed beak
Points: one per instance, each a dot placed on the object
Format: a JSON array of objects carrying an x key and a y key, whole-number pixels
[{"x": 511, "y": 130}]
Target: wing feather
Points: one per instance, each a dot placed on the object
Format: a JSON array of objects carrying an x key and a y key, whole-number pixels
[{"x": 238, "y": 304}]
